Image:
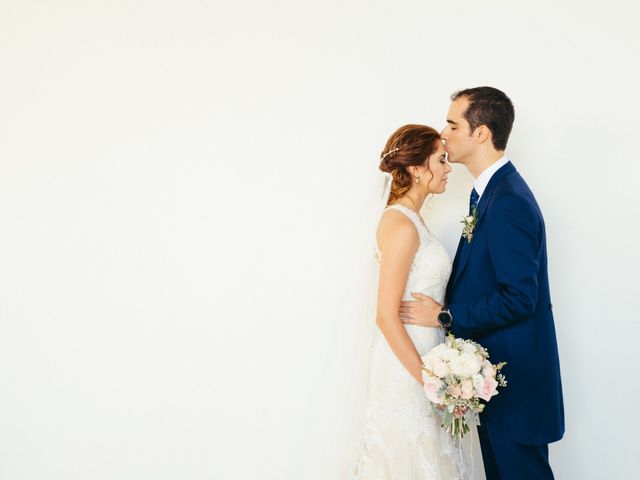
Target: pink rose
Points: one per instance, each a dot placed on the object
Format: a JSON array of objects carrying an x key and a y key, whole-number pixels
[
  {"x": 460, "y": 411},
  {"x": 432, "y": 388},
  {"x": 487, "y": 369},
  {"x": 467, "y": 389},
  {"x": 489, "y": 389},
  {"x": 454, "y": 391}
]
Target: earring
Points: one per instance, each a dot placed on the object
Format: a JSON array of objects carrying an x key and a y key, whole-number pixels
[{"x": 417, "y": 179}]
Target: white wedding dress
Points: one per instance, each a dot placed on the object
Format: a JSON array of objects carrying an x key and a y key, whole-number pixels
[{"x": 403, "y": 438}]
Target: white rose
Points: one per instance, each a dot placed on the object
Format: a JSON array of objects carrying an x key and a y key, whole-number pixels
[
  {"x": 426, "y": 359},
  {"x": 448, "y": 354},
  {"x": 469, "y": 348},
  {"x": 441, "y": 369},
  {"x": 439, "y": 349},
  {"x": 431, "y": 357},
  {"x": 469, "y": 219},
  {"x": 465, "y": 365},
  {"x": 478, "y": 382}
]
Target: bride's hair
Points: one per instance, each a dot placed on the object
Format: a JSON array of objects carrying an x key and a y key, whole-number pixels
[{"x": 410, "y": 145}]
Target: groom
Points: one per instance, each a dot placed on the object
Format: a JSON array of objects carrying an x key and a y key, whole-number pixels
[{"x": 498, "y": 293}]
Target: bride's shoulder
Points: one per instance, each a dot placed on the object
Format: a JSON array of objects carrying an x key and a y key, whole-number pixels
[
  {"x": 396, "y": 227},
  {"x": 394, "y": 218}
]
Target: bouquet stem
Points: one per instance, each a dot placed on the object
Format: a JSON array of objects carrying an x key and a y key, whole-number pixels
[{"x": 459, "y": 427}]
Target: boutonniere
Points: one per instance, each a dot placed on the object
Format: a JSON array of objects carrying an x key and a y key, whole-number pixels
[{"x": 469, "y": 224}]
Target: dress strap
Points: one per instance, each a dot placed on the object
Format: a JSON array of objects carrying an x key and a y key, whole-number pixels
[{"x": 410, "y": 214}]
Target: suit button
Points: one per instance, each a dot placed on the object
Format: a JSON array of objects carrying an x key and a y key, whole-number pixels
[{"x": 551, "y": 306}]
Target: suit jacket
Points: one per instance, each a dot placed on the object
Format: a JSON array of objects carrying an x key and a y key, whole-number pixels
[{"x": 498, "y": 295}]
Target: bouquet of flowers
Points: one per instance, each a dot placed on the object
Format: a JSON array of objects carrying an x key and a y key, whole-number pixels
[{"x": 457, "y": 375}]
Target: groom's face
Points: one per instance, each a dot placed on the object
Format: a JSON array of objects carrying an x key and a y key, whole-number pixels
[{"x": 458, "y": 141}]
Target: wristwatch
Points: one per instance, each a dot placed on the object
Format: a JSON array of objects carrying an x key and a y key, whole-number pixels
[{"x": 444, "y": 317}]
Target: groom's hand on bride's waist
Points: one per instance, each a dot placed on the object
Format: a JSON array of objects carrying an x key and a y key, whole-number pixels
[{"x": 423, "y": 311}]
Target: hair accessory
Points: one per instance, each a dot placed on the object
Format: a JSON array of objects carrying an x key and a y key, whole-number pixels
[{"x": 390, "y": 152}]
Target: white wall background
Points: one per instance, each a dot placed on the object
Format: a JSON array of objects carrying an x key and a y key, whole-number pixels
[{"x": 186, "y": 196}]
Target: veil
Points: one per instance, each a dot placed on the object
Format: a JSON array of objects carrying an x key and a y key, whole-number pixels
[
  {"x": 362, "y": 332},
  {"x": 386, "y": 188}
]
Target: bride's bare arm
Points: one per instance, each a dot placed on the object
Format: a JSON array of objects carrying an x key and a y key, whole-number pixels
[{"x": 398, "y": 242}]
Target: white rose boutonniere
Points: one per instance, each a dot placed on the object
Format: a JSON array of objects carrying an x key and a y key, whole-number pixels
[{"x": 469, "y": 224}]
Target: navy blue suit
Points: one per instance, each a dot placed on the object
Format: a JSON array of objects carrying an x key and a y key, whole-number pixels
[{"x": 499, "y": 296}]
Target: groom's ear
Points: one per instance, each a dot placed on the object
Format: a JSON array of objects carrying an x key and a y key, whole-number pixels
[{"x": 482, "y": 134}]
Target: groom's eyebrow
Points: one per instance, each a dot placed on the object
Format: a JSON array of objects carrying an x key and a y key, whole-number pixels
[{"x": 452, "y": 122}]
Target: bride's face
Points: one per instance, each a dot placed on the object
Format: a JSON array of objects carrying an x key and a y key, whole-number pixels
[{"x": 439, "y": 167}]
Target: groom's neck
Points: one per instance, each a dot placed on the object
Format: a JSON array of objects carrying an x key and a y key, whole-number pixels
[{"x": 483, "y": 161}]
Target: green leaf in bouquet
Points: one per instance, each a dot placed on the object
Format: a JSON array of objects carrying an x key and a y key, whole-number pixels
[
  {"x": 447, "y": 419},
  {"x": 470, "y": 416}
]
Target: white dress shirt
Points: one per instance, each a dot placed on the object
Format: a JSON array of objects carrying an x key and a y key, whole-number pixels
[{"x": 480, "y": 183}]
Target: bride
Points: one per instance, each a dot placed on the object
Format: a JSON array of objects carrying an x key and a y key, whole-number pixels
[{"x": 403, "y": 437}]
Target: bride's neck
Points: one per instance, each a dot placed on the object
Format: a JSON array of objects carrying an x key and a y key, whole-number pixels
[{"x": 413, "y": 199}]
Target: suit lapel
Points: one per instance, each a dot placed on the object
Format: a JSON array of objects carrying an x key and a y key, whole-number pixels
[
  {"x": 464, "y": 247},
  {"x": 456, "y": 261}
]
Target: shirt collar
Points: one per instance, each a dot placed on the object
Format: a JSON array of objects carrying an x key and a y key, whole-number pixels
[{"x": 480, "y": 183}]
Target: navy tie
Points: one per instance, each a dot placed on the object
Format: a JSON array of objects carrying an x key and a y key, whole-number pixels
[{"x": 473, "y": 201}]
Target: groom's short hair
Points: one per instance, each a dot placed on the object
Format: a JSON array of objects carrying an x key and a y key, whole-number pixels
[{"x": 491, "y": 107}]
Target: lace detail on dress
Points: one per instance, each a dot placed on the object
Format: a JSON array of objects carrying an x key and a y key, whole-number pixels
[
  {"x": 403, "y": 437},
  {"x": 431, "y": 264}
]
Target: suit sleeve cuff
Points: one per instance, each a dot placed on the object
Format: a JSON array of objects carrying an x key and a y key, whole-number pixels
[{"x": 460, "y": 321}]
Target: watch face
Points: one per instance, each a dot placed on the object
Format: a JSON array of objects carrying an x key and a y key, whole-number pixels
[{"x": 444, "y": 318}]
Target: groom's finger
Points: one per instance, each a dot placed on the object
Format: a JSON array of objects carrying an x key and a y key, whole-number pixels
[
  {"x": 419, "y": 296},
  {"x": 408, "y": 303}
]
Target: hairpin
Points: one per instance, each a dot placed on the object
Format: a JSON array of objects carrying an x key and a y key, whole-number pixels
[{"x": 390, "y": 152}]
